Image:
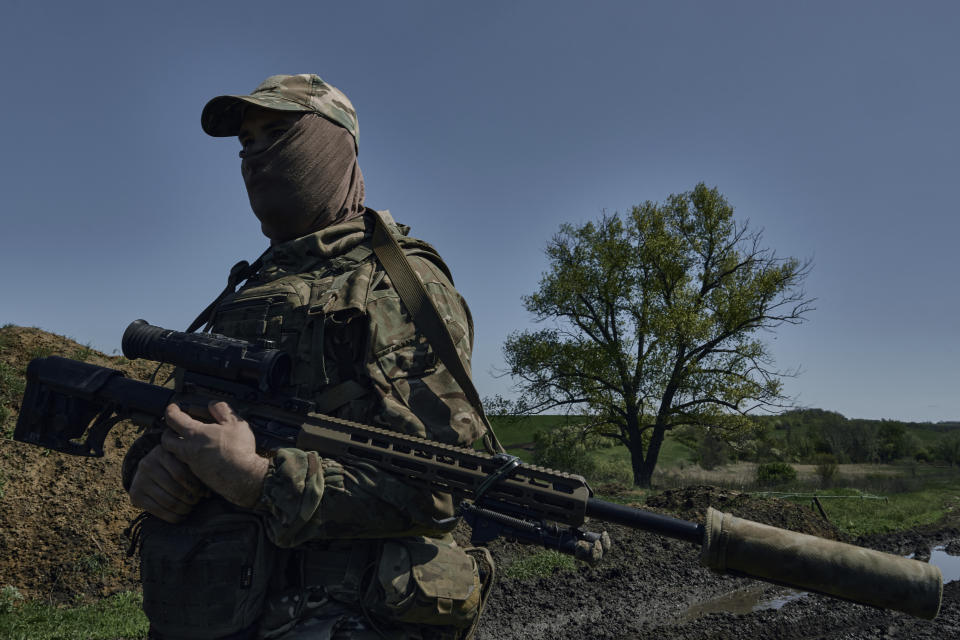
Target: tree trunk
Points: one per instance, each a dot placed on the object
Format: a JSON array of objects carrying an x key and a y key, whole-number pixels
[
  {"x": 636, "y": 463},
  {"x": 643, "y": 475}
]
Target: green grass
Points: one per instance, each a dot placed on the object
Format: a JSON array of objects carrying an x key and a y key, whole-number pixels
[
  {"x": 12, "y": 385},
  {"x": 96, "y": 565},
  {"x": 12, "y": 382},
  {"x": 673, "y": 453},
  {"x": 41, "y": 352},
  {"x": 513, "y": 433},
  {"x": 83, "y": 353},
  {"x": 118, "y": 616},
  {"x": 897, "y": 512},
  {"x": 542, "y": 564}
]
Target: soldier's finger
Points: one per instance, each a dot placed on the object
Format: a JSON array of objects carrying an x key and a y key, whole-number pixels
[
  {"x": 180, "y": 481},
  {"x": 171, "y": 503},
  {"x": 181, "y": 422},
  {"x": 154, "y": 478},
  {"x": 148, "y": 504},
  {"x": 222, "y": 412},
  {"x": 175, "y": 444}
]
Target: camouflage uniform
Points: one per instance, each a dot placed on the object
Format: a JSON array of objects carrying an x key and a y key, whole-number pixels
[
  {"x": 342, "y": 321},
  {"x": 367, "y": 338},
  {"x": 326, "y": 300}
]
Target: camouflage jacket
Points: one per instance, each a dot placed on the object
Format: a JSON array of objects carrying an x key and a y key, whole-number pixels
[{"x": 326, "y": 300}]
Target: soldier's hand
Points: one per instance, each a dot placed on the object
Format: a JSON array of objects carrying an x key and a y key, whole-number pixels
[
  {"x": 222, "y": 454},
  {"x": 165, "y": 487}
]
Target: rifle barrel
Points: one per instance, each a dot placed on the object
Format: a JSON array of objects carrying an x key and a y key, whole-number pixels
[{"x": 646, "y": 520}]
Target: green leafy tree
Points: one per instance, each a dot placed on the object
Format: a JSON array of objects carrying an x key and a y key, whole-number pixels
[
  {"x": 712, "y": 452},
  {"x": 771, "y": 474},
  {"x": 654, "y": 318},
  {"x": 565, "y": 448},
  {"x": 826, "y": 468},
  {"x": 895, "y": 441},
  {"x": 948, "y": 449}
]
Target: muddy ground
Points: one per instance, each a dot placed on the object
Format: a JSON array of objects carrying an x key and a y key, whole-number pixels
[
  {"x": 61, "y": 540},
  {"x": 653, "y": 587}
]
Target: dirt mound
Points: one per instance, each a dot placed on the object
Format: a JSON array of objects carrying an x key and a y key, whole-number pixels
[
  {"x": 61, "y": 516},
  {"x": 691, "y": 503}
]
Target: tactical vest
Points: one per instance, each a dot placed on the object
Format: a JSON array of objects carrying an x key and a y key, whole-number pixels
[
  {"x": 317, "y": 313},
  {"x": 305, "y": 315}
]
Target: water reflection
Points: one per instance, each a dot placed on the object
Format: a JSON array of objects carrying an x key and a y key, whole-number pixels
[
  {"x": 949, "y": 565},
  {"x": 740, "y": 602}
]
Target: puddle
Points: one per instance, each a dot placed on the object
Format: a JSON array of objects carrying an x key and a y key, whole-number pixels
[
  {"x": 739, "y": 602},
  {"x": 949, "y": 565},
  {"x": 751, "y": 598},
  {"x": 778, "y": 602}
]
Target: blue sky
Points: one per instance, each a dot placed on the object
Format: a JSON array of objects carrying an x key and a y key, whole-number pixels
[{"x": 830, "y": 125}]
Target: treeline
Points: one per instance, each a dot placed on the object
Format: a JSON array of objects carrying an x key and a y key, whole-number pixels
[{"x": 812, "y": 435}]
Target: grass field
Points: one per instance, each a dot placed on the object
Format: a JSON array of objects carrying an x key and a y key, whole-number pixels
[
  {"x": 516, "y": 435},
  {"x": 934, "y": 501},
  {"x": 113, "y": 618}
]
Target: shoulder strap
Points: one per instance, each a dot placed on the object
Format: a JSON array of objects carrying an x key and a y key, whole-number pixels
[
  {"x": 426, "y": 317},
  {"x": 239, "y": 272}
]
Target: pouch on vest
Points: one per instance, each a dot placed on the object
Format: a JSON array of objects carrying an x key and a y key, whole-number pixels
[
  {"x": 304, "y": 315},
  {"x": 207, "y": 576},
  {"x": 420, "y": 582}
]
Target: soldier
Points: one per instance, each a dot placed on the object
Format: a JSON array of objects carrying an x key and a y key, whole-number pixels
[{"x": 353, "y": 552}]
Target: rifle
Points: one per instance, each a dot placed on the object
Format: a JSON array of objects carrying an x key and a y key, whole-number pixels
[{"x": 70, "y": 406}]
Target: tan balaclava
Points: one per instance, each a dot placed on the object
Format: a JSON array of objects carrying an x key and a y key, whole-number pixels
[{"x": 307, "y": 180}]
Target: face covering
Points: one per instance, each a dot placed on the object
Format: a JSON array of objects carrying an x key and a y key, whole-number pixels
[{"x": 307, "y": 180}]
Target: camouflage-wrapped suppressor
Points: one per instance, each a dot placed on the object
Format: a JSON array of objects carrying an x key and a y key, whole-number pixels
[{"x": 735, "y": 545}]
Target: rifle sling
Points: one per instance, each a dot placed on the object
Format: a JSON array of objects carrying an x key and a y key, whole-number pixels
[
  {"x": 426, "y": 317},
  {"x": 239, "y": 272}
]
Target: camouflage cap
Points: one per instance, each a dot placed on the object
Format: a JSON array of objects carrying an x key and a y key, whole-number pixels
[{"x": 304, "y": 92}]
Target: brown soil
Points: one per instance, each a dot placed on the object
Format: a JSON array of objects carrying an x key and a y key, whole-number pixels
[{"x": 62, "y": 518}]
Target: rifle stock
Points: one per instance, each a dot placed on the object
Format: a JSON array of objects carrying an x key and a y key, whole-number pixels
[{"x": 70, "y": 406}]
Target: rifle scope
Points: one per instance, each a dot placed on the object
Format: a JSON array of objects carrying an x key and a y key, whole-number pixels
[{"x": 210, "y": 354}]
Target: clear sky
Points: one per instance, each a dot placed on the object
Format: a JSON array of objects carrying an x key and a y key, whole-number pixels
[{"x": 832, "y": 125}]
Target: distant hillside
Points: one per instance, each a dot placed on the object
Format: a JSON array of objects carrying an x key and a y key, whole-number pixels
[
  {"x": 802, "y": 434},
  {"x": 814, "y": 416},
  {"x": 943, "y": 424}
]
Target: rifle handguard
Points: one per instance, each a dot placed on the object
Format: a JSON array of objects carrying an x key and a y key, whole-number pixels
[{"x": 735, "y": 545}]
